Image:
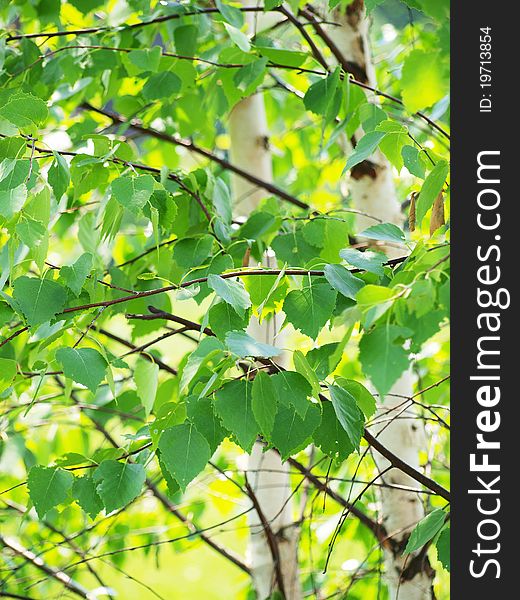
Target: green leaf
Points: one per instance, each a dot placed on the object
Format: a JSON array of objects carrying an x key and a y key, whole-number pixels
[
  {"x": 192, "y": 252},
  {"x": 146, "y": 377},
  {"x": 202, "y": 414},
  {"x": 7, "y": 373},
  {"x": 83, "y": 365},
  {"x": 371, "y": 4},
  {"x": 168, "y": 415},
  {"x": 14, "y": 175},
  {"x": 325, "y": 359},
  {"x": 208, "y": 348},
  {"x": 72, "y": 459},
  {"x": 59, "y": 176},
  {"x": 330, "y": 436},
  {"x": 242, "y": 344},
  {"x": 238, "y": 37},
  {"x": 12, "y": 200},
  {"x": 223, "y": 319},
  {"x": 233, "y": 403},
  {"x": 341, "y": 279},
  {"x": 133, "y": 192},
  {"x": 185, "y": 452},
  {"x": 250, "y": 76},
  {"x": 186, "y": 42},
  {"x": 412, "y": 161},
  {"x": 12, "y": 147},
  {"x": 75, "y": 276},
  {"x": 368, "y": 260},
  {"x": 431, "y": 188},
  {"x": 385, "y": 232},
  {"x": 39, "y": 299},
  {"x": 382, "y": 359},
  {"x": 23, "y": 110},
  {"x": 394, "y": 140},
  {"x": 348, "y": 413},
  {"x": 443, "y": 546},
  {"x": 371, "y": 115},
  {"x": 31, "y": 232},
  {"x": 266, "y": 291},
  {"x": 222, "y": 200},
  {"x": 371, "y": 295},
  {"x": 425, "y": 530},
  {"x": 231, "y": 14},
  {"x": 85, "y": 493},
  {"x": 282, "y": 56},
  {"x": 118, "y": 483},
  {"x": 264, "y": 402},
  {"x": 146, "y": 59},
  {"x": 292, "y": 389},
  {"x": 48, "y": 487},
  {"x": 270, "y": 4},
  {"x": 310, "y": 308},
  {"x": 364, "y": 399},
  {"x": 424, "y": 80},
  {"x": 364, "y": 149},
  {"x": 232, "y": 292},
  {"x": 291, "y": 433},
  {"x": 161, "y": 85},
  {"x": 321, "y": 94},
  {"x": 302, "y": 365},
  {"x": 293, "y": 249}
]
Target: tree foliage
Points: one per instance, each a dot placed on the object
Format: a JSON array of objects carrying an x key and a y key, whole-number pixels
[{"x": 125, "y": 364}]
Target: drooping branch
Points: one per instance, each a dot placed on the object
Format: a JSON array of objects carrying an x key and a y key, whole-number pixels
[
  {"x": 400, "y": 464},
  {"x": 185, "y": 284},
  {"x": 376, "y": 528},
  {"x": 66, "y": 539},
  {"x": 192, "y": 147},
  {"x": 133, "y": 347},
  {"x": 228, "y": 275},
  {"x": 394, "y": 460},
  {"x": 52, "y": 572}
]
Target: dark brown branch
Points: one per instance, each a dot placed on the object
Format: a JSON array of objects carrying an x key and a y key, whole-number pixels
[
  {"x": 229, "y": 275},
  {"x": 231, "y": 556},
  {"x": 160, "y": 314},
  {"x": 348, "y": 66},
  {"x": 314, "y": 49},
  {"x": 376, "y": 528},
  {"x": 192, "y": 147},
  {"x": 156, "y": 21},
  {"x": 13, "y": 335},
  {"x": 135, "y": 348},
  {"x": 400, "y": 464}
]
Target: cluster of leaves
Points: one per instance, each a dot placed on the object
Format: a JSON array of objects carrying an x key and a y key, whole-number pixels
[{"x": 102, "y": 213}]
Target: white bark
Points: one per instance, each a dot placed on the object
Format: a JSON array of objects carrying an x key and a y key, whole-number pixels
[
  {"x": 373, "y": 191},
  {"x": 268, "y": 476}
]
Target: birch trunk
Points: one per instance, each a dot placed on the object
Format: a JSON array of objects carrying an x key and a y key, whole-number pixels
[
  {"x": 372, "y": 190},
  {"x": 268, "y": 476}
]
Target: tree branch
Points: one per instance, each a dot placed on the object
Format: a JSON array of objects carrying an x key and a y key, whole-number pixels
[
  {"x": 400, "y": 464},
  {"x": 192, "y": 147},
  {"x": 376, "y": 528},
  {"x": 228, "y": 275},
  {"x": 52, "y": 572}
]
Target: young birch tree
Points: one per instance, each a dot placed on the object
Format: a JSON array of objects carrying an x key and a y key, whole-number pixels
[
  {"x": 373, "y": 192},
  {"x": 270, "y": 479}
]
